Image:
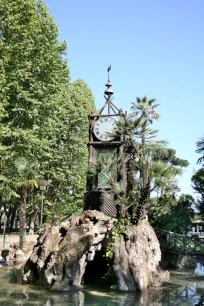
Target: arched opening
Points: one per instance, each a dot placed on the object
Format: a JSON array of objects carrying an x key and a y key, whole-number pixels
[{"x": 98, "y": 271}]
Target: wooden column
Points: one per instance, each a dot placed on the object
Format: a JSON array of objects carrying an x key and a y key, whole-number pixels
[
  {"x": 123, "y": 166},
  {"x": 89, "y": 182},
  {"x": 91, "y": 138}
]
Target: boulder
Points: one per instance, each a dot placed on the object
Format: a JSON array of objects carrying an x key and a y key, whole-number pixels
[
  {"x": 136, "y": 259},
  {"x": 16, "y": 257},
  {"x": 59, "y": 258}
]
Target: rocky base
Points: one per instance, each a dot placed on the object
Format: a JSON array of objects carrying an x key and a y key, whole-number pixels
[
  {"x": 16, "y": 257},
  {"x": 60, "y": 257},
  {"x": 136, "y": 259}
]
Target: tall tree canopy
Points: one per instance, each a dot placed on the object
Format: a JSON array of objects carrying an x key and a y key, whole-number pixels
[
  {"x": 43, "y": 117},
  {"x": 200, "y": 150},
  {"x": 198, "y": 178},
  {"x": 166, "y": 212},
  {"x": 32, "y": 72},
  {"x": 198, "y": 185}
]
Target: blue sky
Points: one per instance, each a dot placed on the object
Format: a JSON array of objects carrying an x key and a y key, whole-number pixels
[{"x": 155, "y": 47}]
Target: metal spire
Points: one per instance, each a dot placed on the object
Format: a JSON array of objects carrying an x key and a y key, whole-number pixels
[
  {"x": 108, "y": 91},
  {"x": 109, "y": 68}
]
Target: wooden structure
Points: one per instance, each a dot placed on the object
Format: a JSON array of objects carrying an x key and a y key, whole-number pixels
[
  {"x": 98, "y": 195},
  {"x": 197, "y": 228},
  {"x": 180, "y": 244},
  {"x": 101, "y": 200}
]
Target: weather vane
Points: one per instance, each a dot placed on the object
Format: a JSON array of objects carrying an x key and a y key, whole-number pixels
[{"x": 109, "y": 68}]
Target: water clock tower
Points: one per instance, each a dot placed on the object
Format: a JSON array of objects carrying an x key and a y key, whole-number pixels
[{"x": 102, "y": 144}]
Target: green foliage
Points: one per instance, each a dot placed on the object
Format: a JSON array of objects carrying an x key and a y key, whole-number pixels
[
  {"x": 67, "y": 165},
  {"x": 109, "y": 252},
  {"x": 43, "y": 117},
  {"x": 25, "y": 173},
  {"x": 166, "y": 212},
  {"x": 168, "y": 156},
  {"x": 120, "y": 229},
  {"x": 198, "y": 185},
  {"x": 198, "y": 181},
  {"x": 150, "y": 167},
  {"x": 198, "y": 178},
  {"x": 145, "y": 108},
  {"x": 200, "y": 150},
  {"x": 106, "y": 167}
]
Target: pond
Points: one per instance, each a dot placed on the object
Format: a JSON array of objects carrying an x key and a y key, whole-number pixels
[{"x": 184, "y": 288}]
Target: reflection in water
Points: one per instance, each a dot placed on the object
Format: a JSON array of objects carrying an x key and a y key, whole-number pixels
[
  {"x": 183, "y": 289},
  {"x": 199, "y": 270},
  {"x": 179, "y": 296},
  {"x": 50, "y": 302}
]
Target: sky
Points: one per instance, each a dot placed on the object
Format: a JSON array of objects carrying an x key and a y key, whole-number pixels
[{"x": 155, "y": 48}]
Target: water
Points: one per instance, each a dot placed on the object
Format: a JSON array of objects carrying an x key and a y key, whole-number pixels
[
  {"x": 199, "y": 270},
  {"x": 184, "y": 288}
]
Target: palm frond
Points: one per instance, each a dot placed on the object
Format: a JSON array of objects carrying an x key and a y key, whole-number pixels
[
  {"x": 200, "y": 150},
  {"x": 21, "y": 164}
]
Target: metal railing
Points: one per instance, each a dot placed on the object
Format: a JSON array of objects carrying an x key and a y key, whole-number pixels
[{"x": 177, "y": 243}]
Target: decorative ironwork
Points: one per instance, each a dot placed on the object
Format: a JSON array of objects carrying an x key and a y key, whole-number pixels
[
  {"x": 109, "y": 101},
  {"x": 180, "y": 244}
]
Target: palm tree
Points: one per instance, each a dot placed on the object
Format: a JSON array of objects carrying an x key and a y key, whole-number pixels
[
  {"x": 131, "y": 130},
  {"x": 158, "y": 175},
  {"x": 146, "y": 171},
  {"x": 200, "y": 150},
  {"x": 25, "y": 179},
  {"x": 138, "y": 144},
  {"x": 145, "y": 109}
]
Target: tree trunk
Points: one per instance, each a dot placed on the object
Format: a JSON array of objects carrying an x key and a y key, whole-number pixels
[
  {"x": 146, "y": 187},
  {"x": 130, "y": 167},
  {"x": 130, "y": 176},
  {"x": 146, "y": 196},
  {"x": 142, "y": 208},
  {"x": 32, "y": 221},
  {"x": 22, "y": 213},
  {"x": 13, "y": 216}
]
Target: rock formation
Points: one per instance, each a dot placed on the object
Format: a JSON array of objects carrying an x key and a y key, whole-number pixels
[
  {"x": 136, "y": 259},
  {"x": 16, "y": 257},
  {"x": 60, "y": 256}
]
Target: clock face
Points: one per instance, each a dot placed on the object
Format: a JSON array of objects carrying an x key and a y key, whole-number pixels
[{"x": 102, "y": 127}]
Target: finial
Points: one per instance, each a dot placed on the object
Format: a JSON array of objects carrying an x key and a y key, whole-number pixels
[
  {"x": 108, "y": 91},
  {"x": 109, "y": 68}
]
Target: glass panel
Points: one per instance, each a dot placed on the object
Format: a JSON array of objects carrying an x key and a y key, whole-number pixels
[{"x": 107, "y": 155}]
